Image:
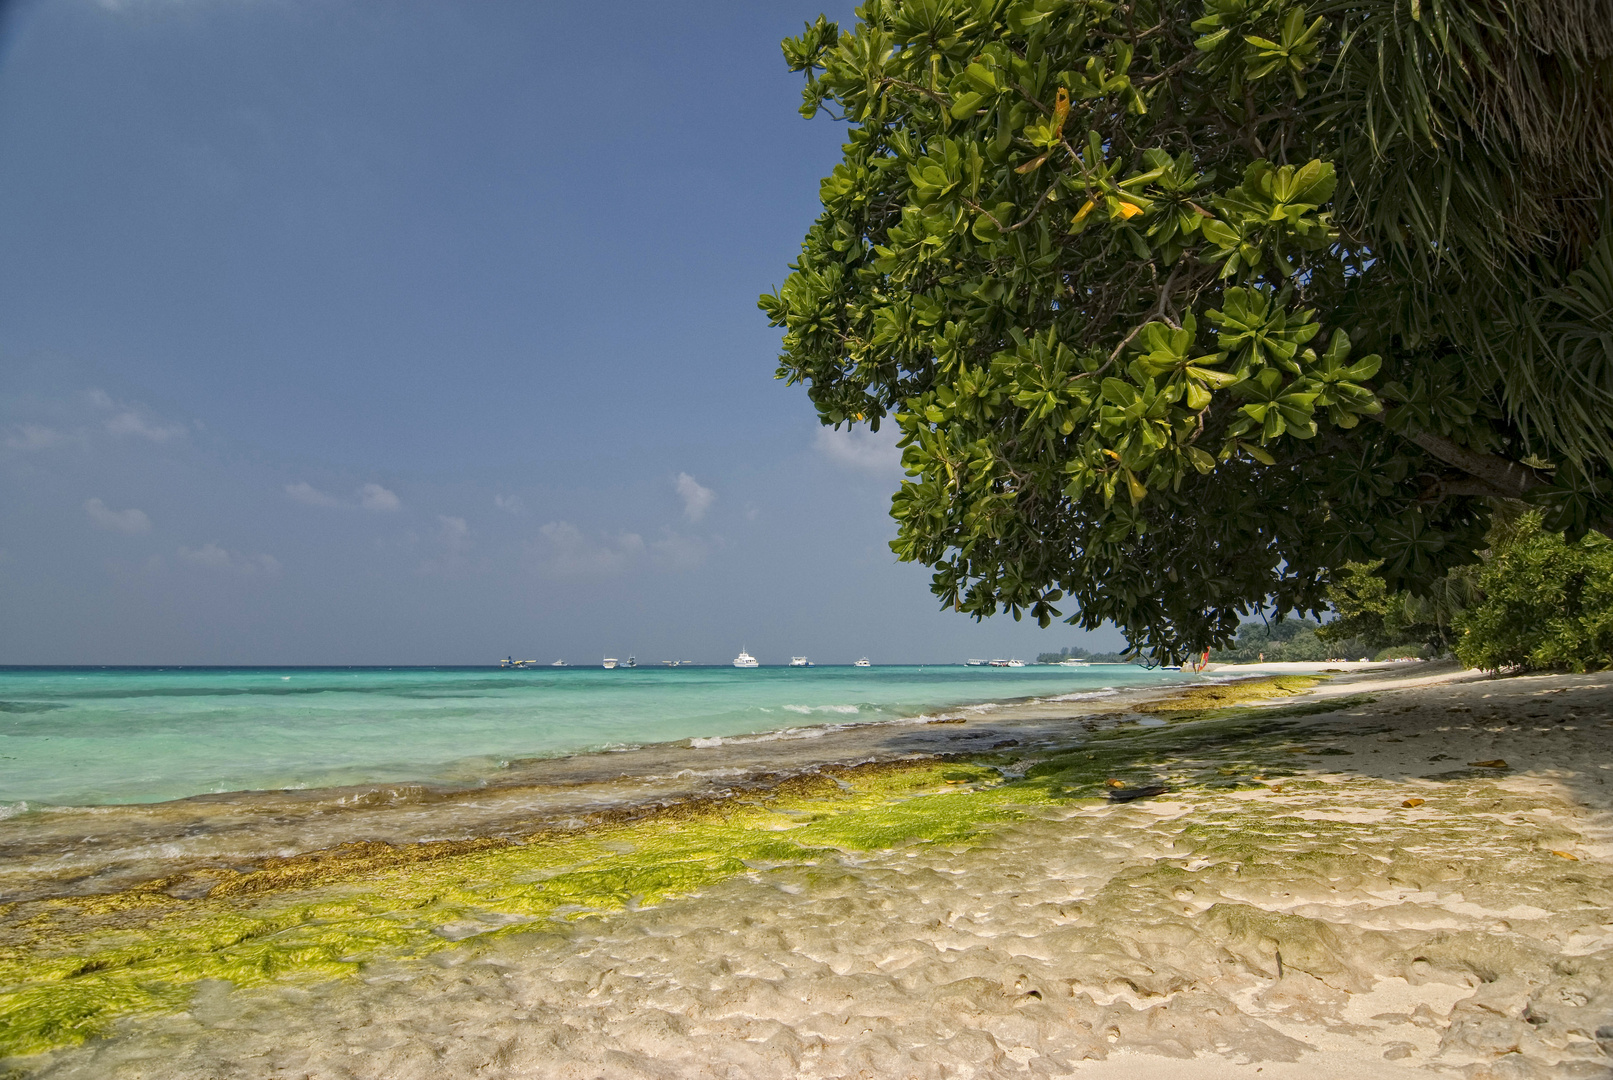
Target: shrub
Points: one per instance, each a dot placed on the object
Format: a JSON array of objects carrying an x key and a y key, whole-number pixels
[{"x": 1545, "y": 603}]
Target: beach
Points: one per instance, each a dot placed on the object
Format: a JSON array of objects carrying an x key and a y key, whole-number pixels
[{"x": 1398, "y": 870}]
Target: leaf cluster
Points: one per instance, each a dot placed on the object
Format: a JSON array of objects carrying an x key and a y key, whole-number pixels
[{"x": 1161, "y": 293}]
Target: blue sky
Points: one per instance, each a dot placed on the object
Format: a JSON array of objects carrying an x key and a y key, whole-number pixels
[{"x": 343, "y": 332}]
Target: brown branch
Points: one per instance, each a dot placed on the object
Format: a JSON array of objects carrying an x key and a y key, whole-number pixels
[{"x": 1493, "y": 476}]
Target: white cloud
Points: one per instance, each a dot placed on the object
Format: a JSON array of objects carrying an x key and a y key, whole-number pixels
[
  {"x": 307, "y": 494},
  {"x": 214, "y": 557},
  {"x": 859, "y": 448},
  {"x": 130, "y": 422},
  {"x": 454, "y": 539},
  {"x": 696, "y": 499},
  {"x": 376, "y": 497},
  {"x": 455, "y": 533},
  {"x": 35, "y": 437},
  {"x": 129, "y": 521},
  {"x": 677, "y": 552},
  {"x": 510, "y": 504},
  {"x": 563, "y": 551},
  {"x": 134, "y": 420}
]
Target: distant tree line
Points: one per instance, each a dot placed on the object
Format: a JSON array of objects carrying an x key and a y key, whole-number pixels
[{"x": 1076, "y": 653}]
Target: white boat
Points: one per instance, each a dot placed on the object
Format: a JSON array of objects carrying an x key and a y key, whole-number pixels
[
  {"x": 559, "y": 663},
  {"x": 975, "y": 663},
  {"x": 1072, "y": 662},
  {"x": 745, "y": 659},
  {"x": 863, "y": 663},
  {"x": 631, "y": 662},
  {"x": 610, "y": 662},
  {"x": 800, "y": 661},
  {"x": 1016, "y": 663}
]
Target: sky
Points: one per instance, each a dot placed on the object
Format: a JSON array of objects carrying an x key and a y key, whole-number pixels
[{"x": 425, "y": 332}]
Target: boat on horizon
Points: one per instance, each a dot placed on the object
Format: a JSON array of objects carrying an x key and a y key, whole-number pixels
[
  {"x": 800, "y": 661},
  {"x": 974, "y": 663},
  {"x": 1072, "y": 662},
  {"x": 610, "y": 662},
  {"x": 560, "y": 663},
  {"x": 862, "y": 663},
  {"x": 1006, "y": 663},
  {"x": 745, "y": 659}
]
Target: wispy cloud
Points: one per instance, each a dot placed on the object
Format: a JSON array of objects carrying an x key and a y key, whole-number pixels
[
  {"x": 132, "y": 423},
  {"x": 309, "y": 495},
  {"x": 674, "y": 551},
  {"x": 214, "y": 557},
  {"x": 370, "y": 497},
  {"x": 35, "y": 437},
  {"x": 563, "y": 551},
  {"x": 375, "y": 497},
  {"x": 859, "y": 448},
  {"x": 454, "y": 542},
  {"x": 510, "y": 504},
  {"x": 129, "y": 521},
  {"x": 134, "y": 420},
  {"x": 696, "y": 499}
]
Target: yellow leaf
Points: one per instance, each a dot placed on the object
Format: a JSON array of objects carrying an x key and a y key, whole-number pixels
[
  {"x": 1129, "y": 211},
  {"x": 1138, "y": 490},
  {"x": 1061, "y": 109},
  {"x": 1081, "y": 214}
]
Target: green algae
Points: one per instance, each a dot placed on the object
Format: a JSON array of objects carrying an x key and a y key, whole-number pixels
[{"x": 68, "y": 968}]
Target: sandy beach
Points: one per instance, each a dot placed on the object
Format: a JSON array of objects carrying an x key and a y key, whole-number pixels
[{"x": 1398, "y": 871}]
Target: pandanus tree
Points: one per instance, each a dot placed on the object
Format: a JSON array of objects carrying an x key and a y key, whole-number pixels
[{"x": 1181, "y": 307}]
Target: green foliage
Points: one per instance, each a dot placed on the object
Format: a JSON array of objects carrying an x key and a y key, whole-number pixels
[
  {"x": 1546, "y": 603},
  {"x": 1400, "y": 622},
  {"x": 1129, "y": 275}
]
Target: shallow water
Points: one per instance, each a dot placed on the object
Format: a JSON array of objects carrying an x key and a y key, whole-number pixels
[{"x": 86, "y": 737}]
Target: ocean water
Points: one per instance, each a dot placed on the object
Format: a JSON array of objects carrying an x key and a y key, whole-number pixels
[{"x": 100, "y": 736}]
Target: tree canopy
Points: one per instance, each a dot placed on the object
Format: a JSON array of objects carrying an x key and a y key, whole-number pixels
[{"x": 1180, "y": 307}]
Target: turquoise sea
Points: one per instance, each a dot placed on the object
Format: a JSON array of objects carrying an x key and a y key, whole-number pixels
[{"x": 98, "y": 736}]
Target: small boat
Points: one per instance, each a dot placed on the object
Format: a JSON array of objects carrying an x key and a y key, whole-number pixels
[
  {"x": 975, "y": 663},
  {"x": 1016, "y": 663},
  {"x": 559, "y": 663},
  {"x": 862, "y": 663},
  {"x": 1072, "y": 662},
  {"x": 745, "y": 659},
  {"x": 800, "y": 661},
  {"x": 631, "y": 662},
  {"x": 996, "y": 663},
  {"x": 610, "y": 662}
]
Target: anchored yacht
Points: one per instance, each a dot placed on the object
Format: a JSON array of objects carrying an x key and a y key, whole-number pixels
[
  {"x": 610, "y": 662},
  {"x": 745, "y": 659},
  {"x": 800, "y": 661},
  {"x": 862, "y": 663}
]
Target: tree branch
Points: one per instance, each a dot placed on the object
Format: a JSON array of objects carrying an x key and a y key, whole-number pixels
[{"x": 1506, "y": 479}]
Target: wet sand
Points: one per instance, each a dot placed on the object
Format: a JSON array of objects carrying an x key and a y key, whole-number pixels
[{"x": 1402, "y": 873}]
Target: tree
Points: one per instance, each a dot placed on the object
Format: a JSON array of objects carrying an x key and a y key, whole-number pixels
[
  {"x": 1369, "y": 613},
  {"x": 1181, "y": 307}
]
